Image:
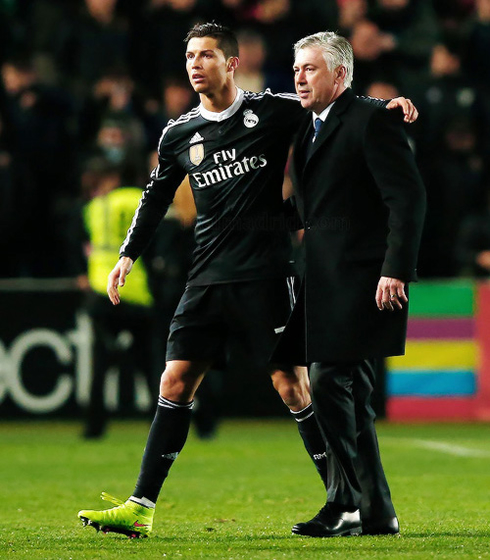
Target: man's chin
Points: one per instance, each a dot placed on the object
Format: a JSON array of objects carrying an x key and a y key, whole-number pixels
[{"x": 200, "y": 88}]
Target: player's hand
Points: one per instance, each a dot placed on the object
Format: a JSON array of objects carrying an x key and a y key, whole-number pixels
[
  {"x": 409, "y": 110},
  {"x": 390, "y": 294},
  {"x": 483, "y": 259},
  {"x": 118, "y": 278}
]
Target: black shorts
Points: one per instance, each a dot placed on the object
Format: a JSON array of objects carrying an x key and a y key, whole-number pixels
[{"x": 230, "y": 322}]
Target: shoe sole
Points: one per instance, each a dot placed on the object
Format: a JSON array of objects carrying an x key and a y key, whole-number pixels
[
  {"x": 106, "y": 529},
  {"x": 369, "y": 534},
  {"x": 355, "y": 532}
]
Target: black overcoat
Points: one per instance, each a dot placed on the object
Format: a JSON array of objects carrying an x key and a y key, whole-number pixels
[{"x": 362, "y": 202}]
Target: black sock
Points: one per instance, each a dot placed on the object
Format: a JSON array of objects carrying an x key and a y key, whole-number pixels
[
  {"x": 166, "y": 439},
  {"x": 313, "y": 440}
]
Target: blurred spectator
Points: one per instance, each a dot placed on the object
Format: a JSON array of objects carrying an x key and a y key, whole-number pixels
[
  {"x": 11, "y": 31},
  {"x": 123, "y": 333},
  {"x": 93, "y": 42},
  {"x": 112, "y": 94},
  {"x": 120, "y": 140},
  {"x": 413, "y": 27},
  {"x": 159, "y": 49},
  {"x": 477, "y": 63},
  {"x": 176, "y": 99},
  {"x": 382, "y": 90},
  {"x": 449, "y": 153},
  {"x": 280, "y": 24},
  {"x": 453, "y": 14},
  {"x": 473, "y": 246},
  {"x": 41, "y": 133},
  {"x": 447, "y": 93},
  {"x": 479, "y": 45},
  {"x": 250, "y": 74},
  {"x": 398, "y": 35},
  {"x": 15, "y": 208},
  {"x": 455, "y": 189},
  {"x": 351, "y": 12}
]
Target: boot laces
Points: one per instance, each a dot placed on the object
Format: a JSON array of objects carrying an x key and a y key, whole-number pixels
[{"x": 108, "y": 498}]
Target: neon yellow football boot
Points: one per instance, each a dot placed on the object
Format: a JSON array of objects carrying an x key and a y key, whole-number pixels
[{"x": 127, "y": 518}]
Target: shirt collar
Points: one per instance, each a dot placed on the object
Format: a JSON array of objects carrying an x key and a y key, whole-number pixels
[
  {"x": 323, "y": 115},
  {"x": 227, "y": 113}
]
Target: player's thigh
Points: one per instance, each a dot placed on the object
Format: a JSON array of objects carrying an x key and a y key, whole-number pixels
[
  {"x": 260, "y": 311},
  {"x": 197, "y": 332}
]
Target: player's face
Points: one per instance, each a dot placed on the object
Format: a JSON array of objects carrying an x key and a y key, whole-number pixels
[
  {"x": 316, "y": 85},
  {"x": 206, "y": 65}
]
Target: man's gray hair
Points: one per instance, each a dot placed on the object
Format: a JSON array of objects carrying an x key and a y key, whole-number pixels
[{"x": 337, "y": 51}]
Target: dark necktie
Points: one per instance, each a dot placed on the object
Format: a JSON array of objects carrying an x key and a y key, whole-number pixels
[{"x": 317, "y": 125}]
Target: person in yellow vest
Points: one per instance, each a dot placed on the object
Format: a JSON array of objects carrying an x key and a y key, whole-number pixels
[{"x": 123, "y": 335}]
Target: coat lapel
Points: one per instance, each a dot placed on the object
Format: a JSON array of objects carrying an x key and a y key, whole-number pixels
[{"x": 333, "y": 121}]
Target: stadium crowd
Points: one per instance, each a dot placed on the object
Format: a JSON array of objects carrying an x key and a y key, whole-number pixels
[{"x": 86, "y": 81}]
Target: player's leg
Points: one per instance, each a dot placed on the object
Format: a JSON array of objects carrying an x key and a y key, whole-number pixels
[
  {"x": 260, "y": 310},
  {"x": 194, "y": 341},
  {"x": 166, "y": 439},
  {"x": 170, "y": 427},
  {"x": 293, "y": 386}
]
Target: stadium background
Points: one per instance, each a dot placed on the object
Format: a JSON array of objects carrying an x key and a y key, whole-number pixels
[{"x": 100, "y": 78}]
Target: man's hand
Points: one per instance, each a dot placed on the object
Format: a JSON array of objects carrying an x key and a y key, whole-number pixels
[
  {"x": 390, "y": 294},
  {"x": 483, "y": 259},
  {"x": 409, "y": 110},
  {"x": 118, "y": 278}
]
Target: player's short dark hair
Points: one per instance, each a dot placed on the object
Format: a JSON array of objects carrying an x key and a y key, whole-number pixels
[{"x": 225, "y": 37}]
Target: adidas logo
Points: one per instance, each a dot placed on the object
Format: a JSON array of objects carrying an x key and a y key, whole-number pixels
[
  {"x": 171, "y": 456},
  {"x": 196, "y": 138}
]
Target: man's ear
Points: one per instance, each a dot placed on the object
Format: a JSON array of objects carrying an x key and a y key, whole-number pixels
[
  {"x": 341, "y": 72},
  {"x": 232, "y": 64}
]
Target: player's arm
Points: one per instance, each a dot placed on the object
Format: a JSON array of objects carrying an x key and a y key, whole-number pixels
[
  {"x": 410, "y": 113},
  {"x": 295, "y": 112},
  {"x": 152, "y": 207}
]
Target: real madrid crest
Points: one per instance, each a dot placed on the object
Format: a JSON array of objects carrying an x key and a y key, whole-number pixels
[
  {"x": 196, "y": 153},
  {"x": 250, "y": 119}
]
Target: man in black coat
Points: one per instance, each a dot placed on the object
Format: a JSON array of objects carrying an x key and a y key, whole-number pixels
[{"x": 362, "y": 202}]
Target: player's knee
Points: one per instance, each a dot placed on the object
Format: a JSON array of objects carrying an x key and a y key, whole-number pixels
[
  {"x": 293, "y": 393},
  {"x": 173, "y": 386}
]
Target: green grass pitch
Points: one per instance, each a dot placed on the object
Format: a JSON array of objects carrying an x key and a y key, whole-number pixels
[{"x": 237, "y": 496}]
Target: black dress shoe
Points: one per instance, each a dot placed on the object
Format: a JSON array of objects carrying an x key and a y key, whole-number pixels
[
  {"x": 387, "y": 526},
  {"x": 330, "y": 523}
]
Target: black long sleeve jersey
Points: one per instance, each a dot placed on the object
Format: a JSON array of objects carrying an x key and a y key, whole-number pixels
[{"x": 235, "y": 161}]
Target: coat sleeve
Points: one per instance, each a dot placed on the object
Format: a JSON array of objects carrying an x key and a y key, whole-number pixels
[
  {"x": 392, "y": 164},
  {"x": 154, "y": 202}
]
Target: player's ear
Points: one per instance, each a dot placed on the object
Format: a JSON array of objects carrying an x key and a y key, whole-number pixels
[{"x": 233, "y": 63}]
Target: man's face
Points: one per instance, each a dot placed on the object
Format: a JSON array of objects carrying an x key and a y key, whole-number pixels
[
  {"x": 206, "y": 65},
  {"x": 316, "y": 85}
]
